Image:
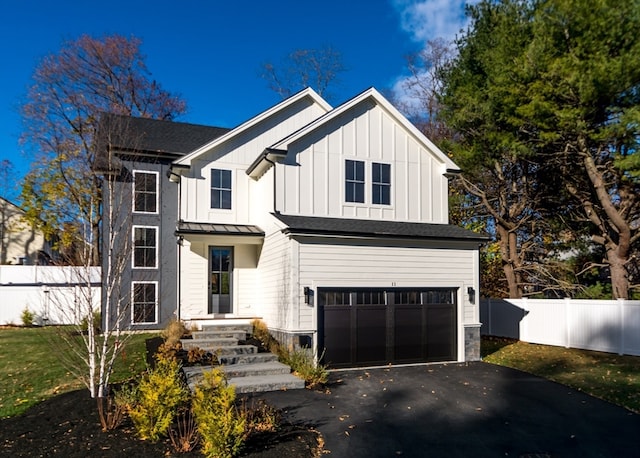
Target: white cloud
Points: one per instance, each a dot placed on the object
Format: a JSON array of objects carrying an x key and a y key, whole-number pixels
[{"x": 428, "y": 19}]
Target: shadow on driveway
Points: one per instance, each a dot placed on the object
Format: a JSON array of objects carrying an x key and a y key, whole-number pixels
[{"x": 459, "y": 410}]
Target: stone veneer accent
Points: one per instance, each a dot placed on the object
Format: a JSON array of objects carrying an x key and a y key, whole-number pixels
[{"x": 472, "y": 342}]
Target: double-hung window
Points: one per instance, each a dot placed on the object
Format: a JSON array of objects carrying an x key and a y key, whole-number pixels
[
  {"x": 144, "y": 302},
  {"x": 354, "y": 181},
  {"x": 145, "y": 247},
  {"x": 145, "y": 192},
  {"x": 381, "y": 183},
  {"x": 221, "y": 189}
]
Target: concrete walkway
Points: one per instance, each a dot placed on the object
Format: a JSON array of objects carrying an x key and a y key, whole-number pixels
[{"x": 466, "y": 410}]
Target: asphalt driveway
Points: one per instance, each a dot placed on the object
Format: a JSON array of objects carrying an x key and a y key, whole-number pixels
[{"x": 459, "y": 410}]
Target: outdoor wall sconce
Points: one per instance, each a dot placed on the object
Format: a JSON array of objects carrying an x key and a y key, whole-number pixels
[
  {"x": 472, "y": 294},
  {"x": 308, "y": 295}
]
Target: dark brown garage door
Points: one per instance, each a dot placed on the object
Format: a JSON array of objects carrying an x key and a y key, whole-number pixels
[{"x": 372, "y": 326}]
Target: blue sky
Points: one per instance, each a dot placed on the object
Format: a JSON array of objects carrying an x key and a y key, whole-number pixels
[{"x": 210, "y": 51}]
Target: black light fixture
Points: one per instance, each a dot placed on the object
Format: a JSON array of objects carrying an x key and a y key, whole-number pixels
[
  {"x": 472, "y": 294},
  {"x": 308, "y": 295}
]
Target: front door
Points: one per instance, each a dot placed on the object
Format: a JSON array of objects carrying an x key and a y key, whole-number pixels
[{"x": 221, "y": 268}]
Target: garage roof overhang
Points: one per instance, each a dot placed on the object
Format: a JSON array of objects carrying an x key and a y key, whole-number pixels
[{"x": 343, "y": 227}]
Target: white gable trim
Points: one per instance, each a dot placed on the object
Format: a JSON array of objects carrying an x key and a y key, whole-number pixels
[
  {"x": 373, "y": 94},
  {"x": 308, "y": 92}
]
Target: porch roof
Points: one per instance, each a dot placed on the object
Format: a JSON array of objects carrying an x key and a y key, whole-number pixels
[{"x": 185, "y": 227}]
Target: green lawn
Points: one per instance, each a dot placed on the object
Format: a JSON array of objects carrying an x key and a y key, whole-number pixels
[
  {"x": 31, "y": 368},
  {"x": 607, "y": 376}
]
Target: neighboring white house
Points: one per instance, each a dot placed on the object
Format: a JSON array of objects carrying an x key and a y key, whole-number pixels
[
  {"x": 20, "y": 243},
  {"x": 331, "y": 225}
]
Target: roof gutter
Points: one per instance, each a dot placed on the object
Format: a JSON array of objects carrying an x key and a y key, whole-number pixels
[{"x": 264, "y": 162}]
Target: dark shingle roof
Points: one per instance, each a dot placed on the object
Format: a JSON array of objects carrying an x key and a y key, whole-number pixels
[
  {"x": 157, "y": 136},
  {"x": 372, "y": 228}
]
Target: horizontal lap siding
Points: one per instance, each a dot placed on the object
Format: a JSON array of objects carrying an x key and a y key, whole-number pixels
[
  {"x": 274, "y": 280},
  {"x": 324, "y": 265}
]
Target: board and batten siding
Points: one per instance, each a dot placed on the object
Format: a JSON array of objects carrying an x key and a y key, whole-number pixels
[
  {"x": 237, "y": 154},
  {"x": 311, "y": 181}
]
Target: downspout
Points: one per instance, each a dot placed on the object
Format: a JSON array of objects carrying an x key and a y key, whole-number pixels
[
  {"x": 179, "y": 260},
  {"x": 266, "y": 158}
]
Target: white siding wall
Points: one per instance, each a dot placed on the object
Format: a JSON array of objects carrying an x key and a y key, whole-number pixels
[
  {"x": 343, "y": 265},
  {"x": 275, "y": 282},
  {"x": 193, "y": 272},
  {"x": 312, "y": 181},
  {"x": 195, "y": 275}
]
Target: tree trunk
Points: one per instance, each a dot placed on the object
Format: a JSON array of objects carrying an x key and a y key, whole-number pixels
[
  {"x": 508, "y": 249},
  {"x": 619, "y": 274},
  {"x": 615, "y": 229}
]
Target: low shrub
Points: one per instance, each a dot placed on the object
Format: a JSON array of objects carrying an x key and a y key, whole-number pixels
[
  {"x": 304, "y": 363},
  {"x": 96, "y": 318},
  {"x": 173, "y": 332},
  {"x": 27, "y": 317},
  {"x": 221, "y": 426},
  {"x": 159, "y": 395},
  {"x": 260, "y": 417},
  {"x": 184, "y": 433},
  {"x": 261, "y": 332}
]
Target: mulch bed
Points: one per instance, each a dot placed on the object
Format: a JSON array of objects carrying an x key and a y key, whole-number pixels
[{"x": 68, "y": 425}]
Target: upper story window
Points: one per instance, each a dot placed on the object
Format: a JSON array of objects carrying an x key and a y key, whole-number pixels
[
  {"x": 354, "y": 181},
  {"x": 381, "y": 183},
  {"x": 145, "y": 192},
  {"x": 221, "y": 189},
  {"x": 145, "y": 247}
]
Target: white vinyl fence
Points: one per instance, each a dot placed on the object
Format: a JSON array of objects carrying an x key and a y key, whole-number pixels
[
  {"x": 609, "y": 326},
  {"x": 56, "y": 295}
]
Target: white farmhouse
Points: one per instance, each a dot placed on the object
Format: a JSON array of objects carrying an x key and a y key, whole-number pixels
[{"x": 329, "y": 224}]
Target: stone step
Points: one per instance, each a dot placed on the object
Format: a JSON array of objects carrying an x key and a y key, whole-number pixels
[
  {"x": 249, "y": 383},
  {"x": 246, "y": 358},
  {"x": 194, "y": 373},
  {"x": 247, "y": 328},
  {"x": 262, "y": 383},
  {"x": 253, "y": 369},
  {"x": 238, "y": 334},
  {"x": 208, "y": 344}
]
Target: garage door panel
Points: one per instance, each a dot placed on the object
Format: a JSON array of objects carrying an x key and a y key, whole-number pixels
[
  {"x": 337, "y": 332},
  {"x": 408, "y": 326},
  {"x": 371, "y": 334},
  {"x": 440, "y": 332}
]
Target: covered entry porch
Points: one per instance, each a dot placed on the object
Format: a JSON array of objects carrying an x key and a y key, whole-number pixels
[{"x": 217, "y": 274}]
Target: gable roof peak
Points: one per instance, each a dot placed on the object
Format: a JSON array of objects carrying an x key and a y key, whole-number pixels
[{"x": 307, "y": 92}]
